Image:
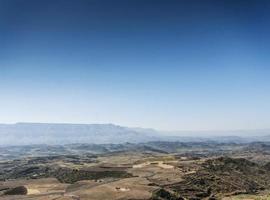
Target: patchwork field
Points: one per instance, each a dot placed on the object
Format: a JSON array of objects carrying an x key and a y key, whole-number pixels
[{"x": 156, "y": 174}]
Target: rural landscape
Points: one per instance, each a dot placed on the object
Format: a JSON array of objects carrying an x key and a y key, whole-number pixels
[
  {"x": 134, "y": 100},
  {"x": 209, "y": 168}
]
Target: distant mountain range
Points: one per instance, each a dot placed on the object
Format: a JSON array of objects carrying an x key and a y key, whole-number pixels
[{"x": 50, "y": 133}]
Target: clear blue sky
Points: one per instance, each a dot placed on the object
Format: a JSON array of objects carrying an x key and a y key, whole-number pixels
[{"x": 185, "y": 65}]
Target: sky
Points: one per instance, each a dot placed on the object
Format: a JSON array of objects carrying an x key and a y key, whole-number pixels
[{"x": 163, "y": 64}]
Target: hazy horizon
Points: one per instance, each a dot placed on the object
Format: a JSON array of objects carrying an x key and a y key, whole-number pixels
[
  {"x": 168, "y": 65},
  {"x": 138, "y": 127}
]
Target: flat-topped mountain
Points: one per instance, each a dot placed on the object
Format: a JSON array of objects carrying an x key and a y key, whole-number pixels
[
  {"x": 52, "y": 133},
  {"x": 61, "y": 133}
]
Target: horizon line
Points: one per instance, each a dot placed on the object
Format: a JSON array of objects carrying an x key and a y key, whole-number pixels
[{"x": 134, "y": 127}]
